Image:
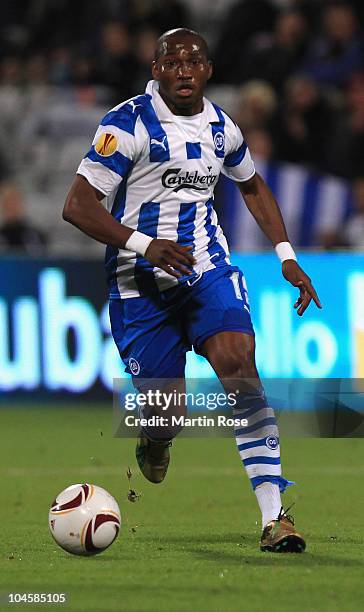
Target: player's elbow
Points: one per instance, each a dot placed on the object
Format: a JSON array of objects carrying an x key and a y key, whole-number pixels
[
  {"x": 251, "y": 186},
  {"x": 71, "y": 209}
]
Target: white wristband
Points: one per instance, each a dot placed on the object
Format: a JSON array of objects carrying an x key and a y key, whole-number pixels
[
  {"x": 138, "y": 243},
  {"x": 285, "y": 251}
]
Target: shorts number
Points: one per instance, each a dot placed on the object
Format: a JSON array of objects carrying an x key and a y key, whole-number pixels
[{"x": 235, "y": 281}]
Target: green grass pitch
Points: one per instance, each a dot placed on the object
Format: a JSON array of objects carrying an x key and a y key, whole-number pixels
[{"x": 189, "y": 543}]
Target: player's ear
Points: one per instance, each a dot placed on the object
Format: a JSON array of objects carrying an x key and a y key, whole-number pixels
[
  {"x": 155, "y": 70},
  {"x": 210, "y": 69}
]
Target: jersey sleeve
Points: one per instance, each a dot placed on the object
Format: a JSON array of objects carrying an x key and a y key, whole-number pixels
[
  {"x": 238, "y": 164},
  {"x": 111, "y": 156}
]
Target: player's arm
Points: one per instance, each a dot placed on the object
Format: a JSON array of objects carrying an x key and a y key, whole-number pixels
[
  {"x": 84, "y": 210},
  {"x": 265, "y": 210}
]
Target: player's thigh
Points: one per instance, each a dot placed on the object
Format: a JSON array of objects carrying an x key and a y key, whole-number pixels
[{"x": 150, "y": 341}]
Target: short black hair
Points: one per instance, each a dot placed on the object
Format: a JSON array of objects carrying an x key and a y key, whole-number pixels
[{"x": 183, "y": 32}]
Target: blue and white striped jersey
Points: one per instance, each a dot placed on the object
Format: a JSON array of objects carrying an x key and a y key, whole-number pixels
[{"x": 160, "y": 180}]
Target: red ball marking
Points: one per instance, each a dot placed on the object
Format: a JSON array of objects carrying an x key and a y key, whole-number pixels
[
  {"x": 99, "y": 520},
  {"x": 77, "y": 501}
]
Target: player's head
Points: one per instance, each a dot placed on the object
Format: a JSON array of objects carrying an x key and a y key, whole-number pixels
[{"x": 182, "y": 67}]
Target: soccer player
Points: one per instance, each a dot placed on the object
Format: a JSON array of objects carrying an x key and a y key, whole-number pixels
[{"x": 155, "y": 160}]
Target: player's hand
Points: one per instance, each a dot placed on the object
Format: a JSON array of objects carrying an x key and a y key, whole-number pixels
[
  {"x": 170, "y": 257},
  {"x": 298, "y": 278}
]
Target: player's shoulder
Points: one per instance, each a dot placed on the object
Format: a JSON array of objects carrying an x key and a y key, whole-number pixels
[
  {"x": 227, "y": 125},
  {"x": 222, "y": 115},
  {"x": 126, "y": 114}
]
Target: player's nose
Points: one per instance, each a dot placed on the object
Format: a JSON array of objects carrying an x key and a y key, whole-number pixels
[{"x": 184, "y": 70}]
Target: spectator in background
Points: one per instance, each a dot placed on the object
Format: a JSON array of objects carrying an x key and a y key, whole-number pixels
[
  {"x": 351, "y": 234},
  {"x": 243, "y": 20},
  {"x": 274, "y": 57},
  {"x": 260, "y": 144},
  {"x": 353, "y": 231},
  {"x": 82, "y": 71},
  {"x": 144, "y": 45},
  {"x": 12, "y": 105},
  {"x": 55, "y": 23},
  {"x": 346, "y": 151},
  {"x": 303, "y": 124},
  {"x": 36, "y": 82},
  {"x": 115, "y": 62},
  {"x": 338, "y": 50},
  {"x": 160, "y": 15},
  {"x": 60, "y": 66},
  {"x": 256, "y": 105},
  {"x": 14, "y": 27},
  {"x": 16, "y": 232}
]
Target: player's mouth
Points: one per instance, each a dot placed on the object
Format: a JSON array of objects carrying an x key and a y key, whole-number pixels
[{"x": 185, "y": 90}]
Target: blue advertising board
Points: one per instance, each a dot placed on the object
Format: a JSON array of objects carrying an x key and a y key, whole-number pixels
[{"x": 55, "y": 333}]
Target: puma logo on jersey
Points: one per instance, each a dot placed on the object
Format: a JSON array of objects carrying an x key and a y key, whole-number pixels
[
  {"x": 159, "y": 143},
  {"x": 133, "y": 105}
]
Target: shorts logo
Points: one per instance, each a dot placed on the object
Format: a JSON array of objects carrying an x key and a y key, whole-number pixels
[
  {"x": 106, "y": 145},
  {"x": 272, "y": 442},
  {"x": 219, "y": 141},
  {"x": 134, "y": 366}
]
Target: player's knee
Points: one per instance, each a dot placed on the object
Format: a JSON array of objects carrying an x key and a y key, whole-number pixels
[{"x": 237, "y": 364}]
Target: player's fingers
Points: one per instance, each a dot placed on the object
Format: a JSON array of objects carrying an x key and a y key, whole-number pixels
[
  {"x": 185, "y": 252},
  {"x": 306, "y": 285},
  {"x": 313, "y": 295},
  {"x": 187, "y": 247},
  {"x": 168, "y": 268},
  {"x": 182, "y": 257},
  {"x": 177, "y": 265},
  {"x": 189, "y": 261},
  {"x": 306, "y": 299}
]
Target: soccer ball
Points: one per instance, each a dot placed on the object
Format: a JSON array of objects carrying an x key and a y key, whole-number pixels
[{"x": 84, "y": 519}]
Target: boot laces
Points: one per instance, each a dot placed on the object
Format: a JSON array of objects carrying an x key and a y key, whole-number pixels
[{"x": 283, "y": 514}]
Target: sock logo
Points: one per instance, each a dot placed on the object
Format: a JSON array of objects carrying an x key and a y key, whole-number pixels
[
  {"x": 272, "y": 442},
  {"x": 134, "y": 366}
]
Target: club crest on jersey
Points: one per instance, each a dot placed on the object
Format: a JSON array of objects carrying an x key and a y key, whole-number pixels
[
  {"x": 219, "y": 141},
  {"x": 134, "y": 366},
  {"x": 176, "y": 180},
  {"x": 272, "y": 442},
  {"x": 106, "y": 145}
]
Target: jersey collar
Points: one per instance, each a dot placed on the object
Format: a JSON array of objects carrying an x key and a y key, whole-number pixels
[{"x": 209, "y": 114}]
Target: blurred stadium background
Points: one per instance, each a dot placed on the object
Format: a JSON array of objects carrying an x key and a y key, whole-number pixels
[{"x": 290, "y": 72}]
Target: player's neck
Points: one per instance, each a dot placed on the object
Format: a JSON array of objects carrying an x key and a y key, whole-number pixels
[{"x": 185, "y": 111}]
